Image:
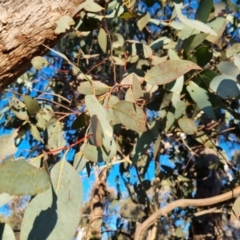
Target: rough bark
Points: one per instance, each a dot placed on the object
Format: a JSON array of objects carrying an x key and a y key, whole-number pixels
[{"x": 24, "y": 27}]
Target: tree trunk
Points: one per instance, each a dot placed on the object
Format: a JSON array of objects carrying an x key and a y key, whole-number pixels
[{"x": 24, "y": 27}]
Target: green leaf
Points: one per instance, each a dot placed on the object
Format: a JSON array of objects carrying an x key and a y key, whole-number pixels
[
  {"x": 55, "y": 135},
  {"x": 79, "y": 161},
  {"x": 55, "y": 214},
  {"x": 195, "y": 24},
  {"x": 219, "y": 26},
  {"x": 129, "y": 95},
  {"x": 96, "y": 131},
  {"x": 20, "y": 178},
  {"x": 170, "y": 120},
  {"x": 136, "y": 88},
  {"x": 18, "y": 108},
  {"x": 193, "y": 41},
  {"x": 102, "y": 39},
  {"x": 92, "y": 7},
  {"x": 64, "y": 24},
  {"x": 225, "y": 86},
  {"x": 201, "y": 98},
  {"x": 202, "y": 56},
  {"x": 176, "y": 88},
  {"x": 130, "y": 115},
  {"x": 7, "y": 145},
  {"x": 169, "y": 71},
  {"x": 144, "y": 140},
  {"x": 180, "y": 109},
  {"x": 187, "y": 125},
  {"x": 98, "y": 154},
  {"x": 93, "y": 88},
  {"x": 109, "y": 102},
  {"x": 36, "y": 133},
  {"x": 39, "y": 62},
  {"x": 143, "y": 21},
  {"x": 31, "y": 105},
  {"x": 95, "y": 108},
  {"x": 204, "y": 10},
  {"x": 6, "y": 232}
]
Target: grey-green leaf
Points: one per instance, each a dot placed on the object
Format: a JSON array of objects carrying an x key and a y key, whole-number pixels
[
  {"x": 55, "y": 214},
  {"x": 225, "y": 86},
  {"x": 200, "y": 97},
  {"x": 187, "y": 125},
  {"x": 130, "y": 115},
  {"x": 169, "y": 71},
  {"x": 20, "y": 178},
  {"x": 102, "y": 39},
  {"x": 39, "y": 62}
]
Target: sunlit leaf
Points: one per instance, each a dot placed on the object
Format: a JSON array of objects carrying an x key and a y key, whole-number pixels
[
  {"x": 64, "y": 24},
  {"x": 35, "y": 133},
  {"x": 20, "y": 178},
  {"x": 193, "y": 23},
  {"x": 201, "y": 98},
  {"x": 18, "y": 108},
  {"x": 39, "y": 62},
  {"x": 31, "y": 105},
  {"x": 7, "y": 232},
  {"x": 235, "y": 213},
  {"x": 102, "y": 39},
  {"x": 79, "y": 161},
  {"x": 136, "y": 88},
  {"x": 7, "y": 145},
  {"x": 187, "y": 125},
  {"x": 169, "y": 71},
  {"x": 236, "y": 60},
  {"x": 98, "y": 154},
  {"x": 91, "y": 6},
  {"x": 130, "y": 115},
  {"x": 95, "y": 88},
  {"x": 228, "y": 68},
  {"x": 5, "y": 198},
  {"x": 143, "y": 21},
  {"x": 176, "y": 88},
  {"x": 225, "y": 86},
  {"x": 129, "y": 95},
  {"x": 219, "y": 26},
  {"x": 36, "y": 161}
]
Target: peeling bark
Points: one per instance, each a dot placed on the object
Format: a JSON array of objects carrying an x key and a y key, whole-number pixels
[{"x": 24, "y": 27}]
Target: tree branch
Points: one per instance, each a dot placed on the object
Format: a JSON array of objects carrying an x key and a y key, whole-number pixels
[{"x": 184, "y": 203}]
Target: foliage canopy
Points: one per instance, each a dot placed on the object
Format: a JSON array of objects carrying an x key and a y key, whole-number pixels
[{"x": 130, "y": 85}]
